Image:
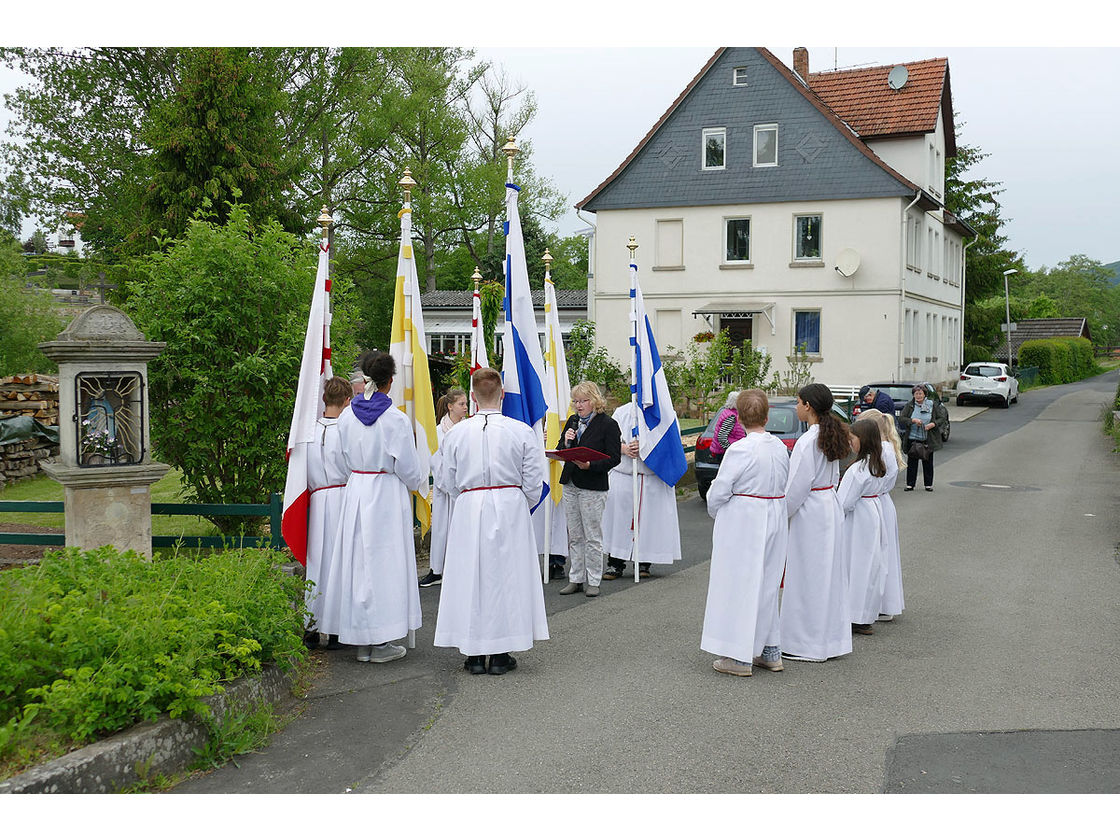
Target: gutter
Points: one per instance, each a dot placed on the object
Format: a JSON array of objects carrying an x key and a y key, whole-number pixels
[{"x": 902, "y": 283}]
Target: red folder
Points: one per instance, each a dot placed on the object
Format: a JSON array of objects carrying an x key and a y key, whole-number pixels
[{"x": 576, "y": 453}]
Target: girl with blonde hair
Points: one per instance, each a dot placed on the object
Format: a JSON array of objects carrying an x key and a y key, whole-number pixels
[{"x": 893, "y": 602}]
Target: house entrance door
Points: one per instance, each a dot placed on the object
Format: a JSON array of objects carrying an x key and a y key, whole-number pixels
[{"x": 739, "y": 330}]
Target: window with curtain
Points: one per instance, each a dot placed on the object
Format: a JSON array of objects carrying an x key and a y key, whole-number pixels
[
  {"x": 737, "y": 240},
  {"x": 807, "y": 332},
  {"x": 807, "y": 238}
]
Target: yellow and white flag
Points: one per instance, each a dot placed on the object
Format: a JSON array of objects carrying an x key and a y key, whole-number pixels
[
  {"x": 557, "y": 389},
  {"x": 411, "y": 390}
]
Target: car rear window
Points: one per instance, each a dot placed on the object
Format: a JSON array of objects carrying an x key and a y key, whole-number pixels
[
  {"x": 983, "y": 370},
  {"x": 782, "y": 420},
  {"x": 899, "y": 393}
]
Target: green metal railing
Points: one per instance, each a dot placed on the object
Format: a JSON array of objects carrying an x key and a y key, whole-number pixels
[{"x": 273, "y": 510}]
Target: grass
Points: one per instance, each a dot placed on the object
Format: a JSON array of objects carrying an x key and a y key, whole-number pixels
[{"x": 44, "y": 489}]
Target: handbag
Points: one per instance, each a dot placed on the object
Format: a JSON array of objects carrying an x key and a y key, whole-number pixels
[{"x": 920, "y": 449}]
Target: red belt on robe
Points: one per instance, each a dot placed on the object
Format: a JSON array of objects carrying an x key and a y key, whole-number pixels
[
  {"x": 327, "y": 487},
  {"x": 494, "y": 487},
  {"x": 753, "y": 496},
  {"x": 829, "y": 487},
  {"x": 873, "y": 496}
]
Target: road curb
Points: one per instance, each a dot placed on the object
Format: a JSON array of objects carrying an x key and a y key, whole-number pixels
[{"x": 164, "y": 746}]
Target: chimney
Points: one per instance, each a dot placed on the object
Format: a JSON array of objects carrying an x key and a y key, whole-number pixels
[{"x": 801, "y": 63}]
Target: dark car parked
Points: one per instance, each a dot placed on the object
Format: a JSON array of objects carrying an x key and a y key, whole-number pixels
[
  {"x": 901, "y": 393},
  {"x": 782, "y": 423}
]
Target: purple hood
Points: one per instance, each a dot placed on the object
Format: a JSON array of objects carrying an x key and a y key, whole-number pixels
[{"x": 369, "y": 410}]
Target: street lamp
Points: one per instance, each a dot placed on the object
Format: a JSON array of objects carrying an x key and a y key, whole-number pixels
[{"x": 1007, "y": 311}]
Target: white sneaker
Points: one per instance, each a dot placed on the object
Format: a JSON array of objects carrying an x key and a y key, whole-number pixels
[
  {"x": 797, "y": 658},
  {"x": 363, "y": 652},
  {"x": 885, "y": 617},
  {"x": 386, "y": 652}
]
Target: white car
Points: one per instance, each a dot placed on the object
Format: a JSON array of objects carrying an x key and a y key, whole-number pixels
[{"x": 983, "y": 381}]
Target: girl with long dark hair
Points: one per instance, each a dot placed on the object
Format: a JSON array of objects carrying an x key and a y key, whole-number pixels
[{"x": 864, "y": 540}]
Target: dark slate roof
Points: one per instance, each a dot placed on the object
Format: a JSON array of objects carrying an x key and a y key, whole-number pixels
[
  {"x": 820, "y": 157},
  {"x": 1035, "y": 328},
  {"x": 461, "y": 299}
]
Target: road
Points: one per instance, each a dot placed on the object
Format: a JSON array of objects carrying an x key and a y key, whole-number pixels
[{"x": 1001, "y": 675}]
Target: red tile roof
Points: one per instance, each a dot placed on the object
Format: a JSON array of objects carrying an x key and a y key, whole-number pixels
[{"x": 864, "y": 100}]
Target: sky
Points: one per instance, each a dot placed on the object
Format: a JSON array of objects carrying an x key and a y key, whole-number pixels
[{"x": 1039, "y": 97}]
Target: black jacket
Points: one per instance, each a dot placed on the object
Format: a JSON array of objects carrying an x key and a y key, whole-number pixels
[{"x": 602, "y": 434}]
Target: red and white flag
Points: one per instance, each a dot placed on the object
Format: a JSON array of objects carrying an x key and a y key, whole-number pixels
[
  {"x": 314, "y": 370},
  {"x": 478, "y": 343}
]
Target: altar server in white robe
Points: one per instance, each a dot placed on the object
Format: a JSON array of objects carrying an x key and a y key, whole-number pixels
[
  {"x": 372, "y": 595},
  {"x": 451, "y": 409},
  {"x": 865, "y": 534},
  {"x": 326, "y": 477},
  {"x": 894, "y": 461},
  {"x": 815, "y": 622},
  {"x": 749, "y": 542},
  {"x": 659, "y": 536},
  {"x": 492, "y": 600}
]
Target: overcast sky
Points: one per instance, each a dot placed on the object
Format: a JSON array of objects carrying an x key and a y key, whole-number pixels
[{"x": 1048, "y": 116}]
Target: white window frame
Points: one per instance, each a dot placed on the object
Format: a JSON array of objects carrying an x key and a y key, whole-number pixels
[
  {"x": 796, "y": 239},
  {"x": 727, "y": 233},
  {"x": 765, "y": 127},
  {"x": 739, "y": 77},
  {"x": 704, "y": 135}
]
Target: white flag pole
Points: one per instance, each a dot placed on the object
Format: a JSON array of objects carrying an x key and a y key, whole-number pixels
[
  {"x": 633, "y": 246},
  {"x": 407, "y": 183},
  {"x": 476, "y": 316},
  {"x": 550, "y": 375}
]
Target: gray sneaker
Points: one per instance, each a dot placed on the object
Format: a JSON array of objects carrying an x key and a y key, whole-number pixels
[
  {"x": 386, "y": 652},
  {"x": 363, "y": 652},
  {"x": 571, "y": 589},
  {"x": 591, "y": 591},
  {"x": 728, "y": 665}
]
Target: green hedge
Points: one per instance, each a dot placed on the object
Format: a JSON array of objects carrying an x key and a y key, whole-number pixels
[
  {"x": 93, "y": 642},
  {"x": 1059, "y": 359}
]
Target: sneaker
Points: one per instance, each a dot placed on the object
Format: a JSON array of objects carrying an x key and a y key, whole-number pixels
[
  {"x": 311, "y": 639},
  {"x": 431, "y": 579},
  {"x": 797, "y": 658},
  {"x": 908, "y": 488},
  {"x": 333, "y": 643},
  {"x": 863, "y": 629},
  {"x": 364, "y": 652},
  {"x": 571, "y": 589},
  {"x": 500, "y": 663},
  {"x": 613, "y": 573},
  {"x": 727, "y": 665},
  {"x": 591, "y": 591},
  {"x": 476, "y": 665},
  {"x": 929, "y": 489},
  {"x": 385, "y": 653},
  {"x": 768, "y": 665},
  {"x": 556, "y": 573},
  {"x": 885, "y": 617},
  {"x": 643, "y": 571}
]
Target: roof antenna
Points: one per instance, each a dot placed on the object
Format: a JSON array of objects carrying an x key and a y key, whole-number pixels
[{"x": 835, "y": 59}]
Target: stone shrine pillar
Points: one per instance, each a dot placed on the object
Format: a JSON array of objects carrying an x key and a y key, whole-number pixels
[{"x": 104, "y": 460}]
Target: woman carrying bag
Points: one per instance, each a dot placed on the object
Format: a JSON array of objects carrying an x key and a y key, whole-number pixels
[{"x": 924, "y": 422}]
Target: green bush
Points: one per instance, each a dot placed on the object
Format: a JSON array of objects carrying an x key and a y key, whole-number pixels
[
  {"x": 1059, "y": 359},
  {"x": 93, "y": 642}
]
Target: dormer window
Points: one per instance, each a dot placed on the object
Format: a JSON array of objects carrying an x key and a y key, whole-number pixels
[
  {"x": 739, "y": 76},
  {"x": 714, "y": 148}
]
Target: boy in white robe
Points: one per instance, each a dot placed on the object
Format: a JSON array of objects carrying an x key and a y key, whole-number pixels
[
  {"x": 372, "y": 596},
  {"x": 749, "y": 543},
  {"x": 492, "y": 601},
  {"x": 659, "y": 537},
  {"x": 326, "y": 477}
]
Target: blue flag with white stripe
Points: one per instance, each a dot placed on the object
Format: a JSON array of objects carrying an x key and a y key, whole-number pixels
[
  {"x": 659, "y": 435},
  {"x": 522, "y": 360}
]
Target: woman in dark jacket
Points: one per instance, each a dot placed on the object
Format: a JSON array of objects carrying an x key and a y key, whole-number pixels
[
  {"x": 924, "y": 421},
  {"x": 586, "y": 484}
]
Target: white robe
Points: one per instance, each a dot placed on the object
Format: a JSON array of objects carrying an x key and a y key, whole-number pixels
[
  {"x": 893, "y": 602},
  {"x": 558, "y": 539},
  {"x": 372, "y": 595},
  {"x": 864, "y": 537},
  {"x": 441, "y": 506},
  {"x": 659, "y": 536},
  {"x": 492, "y": 598},
  {"x": 815, "y": 621},
  {"x": 749, "y": 542},
  {"x": 326, "y": 478}
]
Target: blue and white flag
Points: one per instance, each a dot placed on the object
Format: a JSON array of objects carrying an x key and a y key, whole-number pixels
[
  {"x": 522, "y": 360},
  {"x": 659, "y": 436}
]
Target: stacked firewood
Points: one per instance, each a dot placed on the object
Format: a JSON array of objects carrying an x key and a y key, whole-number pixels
[
  {"x": 22, "y": 458},
  {"x": 32, "y": 394}
]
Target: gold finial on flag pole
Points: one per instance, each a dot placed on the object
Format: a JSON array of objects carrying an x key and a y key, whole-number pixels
[
  {"x": 476, "y": 277},
  {"x": 547, "y": 258},
  {"x": 633, "y": 246},
  {"x": 407, "y": 183},
  {"x": 325, "y": 220},
  {"x": 511, "y": 151}
]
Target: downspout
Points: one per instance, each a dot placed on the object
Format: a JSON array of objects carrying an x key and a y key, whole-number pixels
[
  {"x": 964, "y": 274},
  {"x": 590, "y": 255},
  {"x": 902, "y": 285}
]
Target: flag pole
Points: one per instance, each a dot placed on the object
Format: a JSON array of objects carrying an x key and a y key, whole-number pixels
[
  {"x": 547, "y": 259},
  {"x": 633, "y": 246},
  {"x": 407, "y": 183},
  {"x": 325, "y": 221},
  {"x": 476, "y": 315}
]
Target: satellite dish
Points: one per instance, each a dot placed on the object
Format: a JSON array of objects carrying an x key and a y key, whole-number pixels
[
  {"x": 898, "y": 77},
  {"x": 847, "y": 262}
]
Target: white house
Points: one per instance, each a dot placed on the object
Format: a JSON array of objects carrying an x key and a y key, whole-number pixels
[{"x": 792, "y": 208}]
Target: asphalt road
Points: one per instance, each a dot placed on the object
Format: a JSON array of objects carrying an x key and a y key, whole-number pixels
[{"x": 1001, "y": 675}]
